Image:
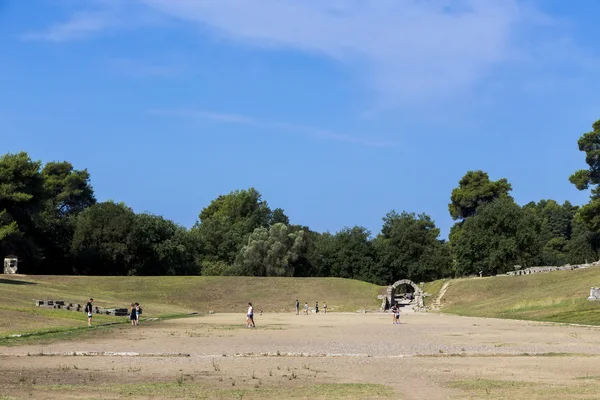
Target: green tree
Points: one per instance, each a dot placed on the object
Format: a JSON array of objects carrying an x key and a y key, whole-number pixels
[
  {"x": 556, "y": 229},
  {"x": 475, "y": 189},
  {"x": 408, "y": 248},
  {"x": 584, "y": 245},
  {"x": 227, "y": 222},
  {"x": 347, "y": 254},
  {"x": 585, "y": 179},
  {"x": 501, "y": 235},
  {"x": 278, "y": 217},
  {"x": 67, "y": 192},
  {"x": 21, "y": 200},
  {"x": 102, "y": 239},
  {"x": 160, "y": 247},
  {"x": 270, "y": 251}
]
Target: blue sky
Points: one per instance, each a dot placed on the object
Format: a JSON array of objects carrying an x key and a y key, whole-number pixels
[{"x": 337, "y": 111}]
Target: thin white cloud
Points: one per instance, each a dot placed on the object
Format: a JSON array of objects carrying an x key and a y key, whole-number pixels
[
  {"x": 408, "y": 52},
  {"x": 412, "y": 50},
  {"x": 78, "y": 26},
  {"x": 319, "y": 133}
]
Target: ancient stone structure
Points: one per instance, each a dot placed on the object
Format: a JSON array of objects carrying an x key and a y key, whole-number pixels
[
  {"x": 537, "y": 270},
  {"x": 594, "y": 294},
  {"x": 390, "y": 297},
  {"x": 10, "y": 264},
  {"x": 61, "y": 304}
]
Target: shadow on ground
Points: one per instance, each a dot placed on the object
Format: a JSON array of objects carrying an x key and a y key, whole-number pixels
[{"x": 16, "y": 282}]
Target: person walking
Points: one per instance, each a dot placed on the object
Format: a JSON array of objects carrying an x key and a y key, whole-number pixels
[
  {"x": 297, "y": 307},
  {"x": 325, "y": 308},
  {"x": 89, "y": 309},
  {"x": 132, "y": 314},
  {"x": 305, "y": 308},
  {"x": 317, "y": 307},
  {"x": 138, "y": 311},
  {"x": 250, "y": 317}
]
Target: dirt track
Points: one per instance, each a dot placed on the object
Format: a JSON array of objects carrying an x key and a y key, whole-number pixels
[{"x": 428, "y": 356}]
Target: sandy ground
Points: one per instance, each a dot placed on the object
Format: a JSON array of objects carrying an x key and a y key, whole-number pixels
[{"x": 428, "y": 356}]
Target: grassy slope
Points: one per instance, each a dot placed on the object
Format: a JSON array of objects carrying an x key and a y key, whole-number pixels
[
  {"x": 556, "y": 296},
  {"x": 433, "y": 289},
  {"x": 161, "y": 296}
]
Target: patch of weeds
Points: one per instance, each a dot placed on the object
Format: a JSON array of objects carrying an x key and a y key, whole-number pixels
[{"x": 215, "y": 366}]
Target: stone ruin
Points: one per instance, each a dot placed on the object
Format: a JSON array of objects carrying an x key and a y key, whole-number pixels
[
  {"x": 537, "y": 270},
  {"x": 594, "y": 294},
  {"x": 62, "y": 305},
  {"x": 391, "y": 298},
  {"x": 10, "y": 264}
]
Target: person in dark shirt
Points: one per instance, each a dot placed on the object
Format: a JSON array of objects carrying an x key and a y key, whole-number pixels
[
  {"x": 89, "y": 309},
  {"x": 297, "y": 307},
  {"x": 317, "y": 307}
]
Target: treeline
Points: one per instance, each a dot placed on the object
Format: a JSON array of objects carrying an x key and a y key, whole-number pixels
[{"x": 50, "y": 219}]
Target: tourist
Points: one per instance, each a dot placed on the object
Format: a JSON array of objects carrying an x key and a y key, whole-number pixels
[
  {"x": 138, "y": 311},
  {"x": 89, "y": 309},
  {"x": 297, "y": 307},
  {"x": 397, "y": 315},
  {"x": 305, "y": 308},
  {"x": 325, "y": 307},
  {"x": 317, "y": 307},
  {"x": 393, "y": 310},
  {"x": 250, "y": 317},
  {"x": 132, "y": 314}
]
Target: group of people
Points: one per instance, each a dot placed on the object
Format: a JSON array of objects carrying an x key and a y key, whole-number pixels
[
  {"x": 306, "y": 307},
  {"x": 134, "y": 314}
]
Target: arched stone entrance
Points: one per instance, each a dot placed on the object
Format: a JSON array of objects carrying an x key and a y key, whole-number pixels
[{"x": 391, "y": 293}]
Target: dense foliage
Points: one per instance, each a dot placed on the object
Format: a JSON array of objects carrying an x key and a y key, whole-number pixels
[{"x": 50, "y": 218}]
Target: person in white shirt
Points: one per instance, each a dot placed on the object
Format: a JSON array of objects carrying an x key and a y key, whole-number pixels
[{"x": 250, "y": 317}]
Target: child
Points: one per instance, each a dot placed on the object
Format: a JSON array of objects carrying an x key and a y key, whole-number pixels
[{"x": 398, "y": 315}]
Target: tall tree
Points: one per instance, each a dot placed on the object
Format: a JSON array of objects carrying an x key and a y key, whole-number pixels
[
  {"x": 556, "y": 229},
  {"x": 408, "y": 247},
  {"x": 347, "y": 254},
  {"x": 21, "y": 199},
  {"x": 102, "y": 239},
  {"x": 67, "y": 192},
  {"x": 227, "y": 222},
  {"x": 589, "y": 178},
  {"x": 271, "y": 251},
  {"x": 475, "y": 189},
  {"x": 501, "y": 235},
  {"x": 158, "y": 247}
]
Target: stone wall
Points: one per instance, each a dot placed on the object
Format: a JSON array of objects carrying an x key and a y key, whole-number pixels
[
  {"x": 537, "y": 270},
  {"x": 62, "y": 305}
]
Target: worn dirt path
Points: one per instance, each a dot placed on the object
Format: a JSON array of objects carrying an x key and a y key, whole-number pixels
[{"x": 424, "y": 357}]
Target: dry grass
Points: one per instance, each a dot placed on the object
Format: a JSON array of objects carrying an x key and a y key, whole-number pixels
[
  {"x": 162, "y": 296},
  {"x": 559, "y": 296}
]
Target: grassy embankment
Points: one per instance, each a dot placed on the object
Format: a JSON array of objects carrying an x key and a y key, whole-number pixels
[
  {"x": 163, "y": 296},
  {"x": 559, "y": 296}
]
